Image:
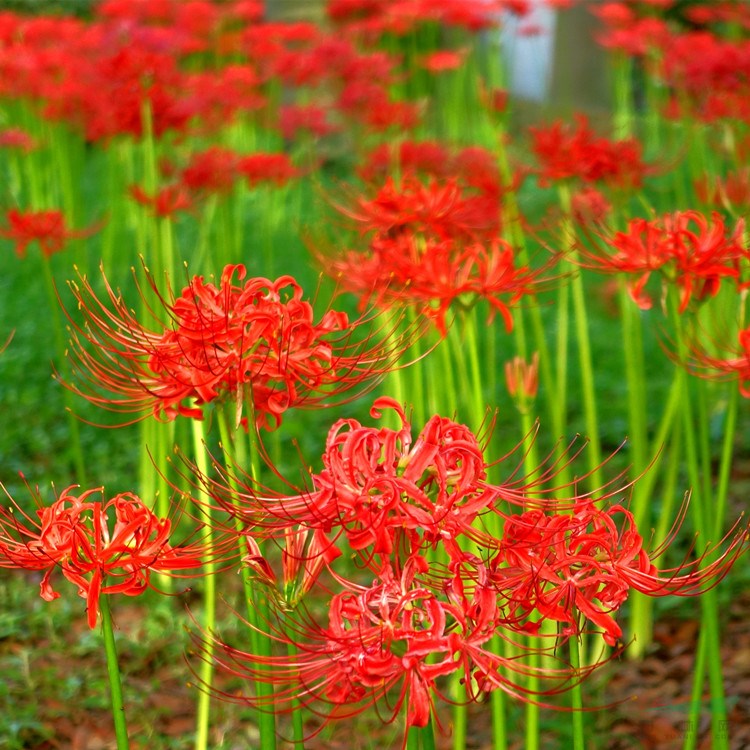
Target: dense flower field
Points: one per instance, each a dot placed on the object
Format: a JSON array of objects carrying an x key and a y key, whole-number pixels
[{"x": 405, "y": 412}]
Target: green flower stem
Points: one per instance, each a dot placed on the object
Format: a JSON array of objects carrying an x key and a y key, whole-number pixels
[
  {"x": 579, "y": 741},
  {"x": 203, "y": 715},
  {"x": 298, "y": 727},
  {"x": 583, "y": 342},
  {"x": 515, "y": 235},
  {"x": 725, "y": 464},
  {"x": 235, "y": 454},
  {"x": 709, "y": 609},
  {"x": 669, "y": 486},
  {"x": 534, "y": 659},
  {"x": 201, "y": 255},
  {"x": 113, "y": 669},
  {"x": 37, "y": 203},
  {"x": 499, "y": 704},
  {"x": 641, "y": 612},
  {"x": 421, "y": 738},
  {"x": 428, "y": 736},
  {"x": 443, "y": 374},
  {"x": 57, "y": 329},
  {"x": 460, "y": 714},
  {"x": 624, "y": 114}
]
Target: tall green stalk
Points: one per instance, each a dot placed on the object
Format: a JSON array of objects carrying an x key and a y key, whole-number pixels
[
  {"x": 709, "y": 608},
  {"x": 256, "y": 603},
  {"x": 583, "y": 343},
  {"x": 203, "y": 713},
  {"x": 113, "y": 670}
]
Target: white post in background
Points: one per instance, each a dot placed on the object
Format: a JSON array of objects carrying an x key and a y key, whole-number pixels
[{"x": 528, "y": 44}]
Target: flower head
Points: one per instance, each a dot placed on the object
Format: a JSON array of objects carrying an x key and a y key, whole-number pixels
[
  {"x": 565, "y": 152},
  {"x": 243, "y": 340},
  {"x": 433, "y": 246},
  {"x": 45, "y": 227},
  {"x": 583, "y": 564},
  {"x": 685, "y": 247},
  {"x": 102, "y": 547},
  {"x": 389, "y": 643}
]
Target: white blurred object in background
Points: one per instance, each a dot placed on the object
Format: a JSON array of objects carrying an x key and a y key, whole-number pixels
[{"x": 528, "y": 50}]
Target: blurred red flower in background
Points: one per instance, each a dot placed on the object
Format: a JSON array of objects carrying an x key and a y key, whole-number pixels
[{"x": 47, "y": 228}]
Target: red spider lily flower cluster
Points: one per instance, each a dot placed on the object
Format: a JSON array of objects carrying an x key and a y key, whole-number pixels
[
  {"x": 47, "y": 228},
  {"x": 241, "y": 339},
  {"x": 213, "y": 172},
  {"x": 568, "y": 566},
  {"x": 101, "y": 547},
  {"x": 396, "y": 502},
  {"x": 166, "y": 202},
  {"x": 473, "y": 168},
  {"x": 689, "y": 53},
  {"x": 432, "y": 246},
  {"x": 376, "y": 17},
  {"x": 102, "y": 76},
  {"x": 130, "y": 70},
  {"x": 627, "y": 31},
  {"x": 566, "y": 152},
  {"x": 687, "y": 249},
  {"x": 391, "y": 644}
]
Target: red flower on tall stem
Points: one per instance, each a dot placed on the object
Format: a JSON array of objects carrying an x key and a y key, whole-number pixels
[
  {"x": 388, "y": 644},
  {"x": 166, "y": 202},
  {"x": 432, "y": 246},
  {"x": 102, "y": 547},
  {"x": 564, "y": 152},
  {"x": 583, "y": 564},
  {"x": 44, "y": 227},
  {"x": 253, "y": 343},
  {"x": 685, "y": 247}
]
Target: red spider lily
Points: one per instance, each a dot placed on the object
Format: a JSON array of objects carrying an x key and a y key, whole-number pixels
[
  {"x": 375, "y": 17},
  {"x": 589, "y": 206},
  {"x": 627, "y": 32},
  {"x": 380, "y": 488},
  {"x": 471, "y": 167},
  {"x": 565, "y": 153},
  {"x": 304, "y": 556},
  {"x": 370, "y": 104},
  {"x": 388, "y": 644},
  {"x": 216, "y": 96},
  {"x": 311, "y": 119},
  {"x": 687, "y": 249},
  {"x": 584, "y": 564},
  {"x": 275, "y": 168},
  {"x": 435, "y": 276},
  {"x": 437, "y": 210},
  {"x": 102, "y": 547},
  {"x": 388, "y": 494},
  {"x": 212, "y": 171},
  {"x": 431, "y": 246},
  {"x": 257, "y": 340},
  {"x": 45, "y": 227},
  {"x": 166, "y": 202}
]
